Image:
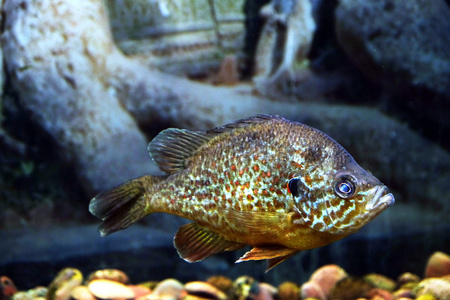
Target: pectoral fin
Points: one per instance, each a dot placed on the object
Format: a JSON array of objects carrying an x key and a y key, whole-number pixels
[
  {"x": 195, "y": 242},
  {"x": 274, "y": 255}
]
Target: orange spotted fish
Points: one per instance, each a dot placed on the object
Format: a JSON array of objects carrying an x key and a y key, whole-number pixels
[{"x": 276, "y": 185}]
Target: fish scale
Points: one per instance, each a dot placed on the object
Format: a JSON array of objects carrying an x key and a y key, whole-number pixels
[{"x": 276, "y": 185}]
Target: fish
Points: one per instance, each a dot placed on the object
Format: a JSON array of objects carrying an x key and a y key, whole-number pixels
[{"x": 276, "y": 185}]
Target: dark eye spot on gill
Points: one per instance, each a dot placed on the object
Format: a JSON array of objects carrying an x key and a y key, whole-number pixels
[{"x": 293, "y": 186}]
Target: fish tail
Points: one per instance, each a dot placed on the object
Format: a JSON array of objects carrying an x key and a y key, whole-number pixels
[{"x": 123, "y": 205}]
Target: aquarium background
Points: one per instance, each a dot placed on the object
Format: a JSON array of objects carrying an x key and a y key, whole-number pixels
[{"x": 87, "y": 85}]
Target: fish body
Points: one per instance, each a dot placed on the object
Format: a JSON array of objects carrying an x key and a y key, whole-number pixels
[{"x": 276, "y": 185}]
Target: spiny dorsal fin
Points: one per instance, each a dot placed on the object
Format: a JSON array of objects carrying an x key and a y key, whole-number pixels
[
  {"x": 171, "y": 147},
  {"x": 258, "y": 119},
  {"x": 194, "y": 243}
]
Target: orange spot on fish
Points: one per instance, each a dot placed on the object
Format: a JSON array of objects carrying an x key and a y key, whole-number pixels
[
  {"x": 241, "y": 172},
  {"x": 233, "y": 167},
  {"x": 250, "y": 197},
  {"x": 308, "y": 179},
  {"x": 256, "y": 168}
]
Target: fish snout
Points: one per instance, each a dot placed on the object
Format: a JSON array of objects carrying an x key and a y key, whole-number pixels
[{"x": 381, "y": 199}]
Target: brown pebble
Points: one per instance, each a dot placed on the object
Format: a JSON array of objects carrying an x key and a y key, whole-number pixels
[
  {"x": 223, "y": 283},
  {"x": 203, "y": 289},
  {"x": 407, "y": 278},
  {"x": 288, "y": 291},
  {"x": 438, "y": 265},
  {"x": 110, "y": 274},
  {"x": 108, "y": 289}
]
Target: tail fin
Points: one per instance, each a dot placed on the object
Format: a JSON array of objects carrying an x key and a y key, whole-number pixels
[{"x": 123, "y": 205}]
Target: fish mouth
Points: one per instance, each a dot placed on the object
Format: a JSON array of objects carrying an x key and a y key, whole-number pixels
[{"x": 381, "y": 199}]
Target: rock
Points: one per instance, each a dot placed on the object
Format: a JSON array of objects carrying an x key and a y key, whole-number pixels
[
  {"x": 245, "y": 287},
  {"x": 81, "y": 292},
  {"x": 426, "y": 297},
  {"x": 108, "y": 289},
  {"x": 63, "y": 284},
  {"x": 327, "y": 277},
  {"x": 403, "y": 47},
  {"x": 64, "y": 86},
  {"x": 380, "y": 281},
  {"x": 288, "y": 291},
  {"x": 350, "y": 288},
  {"x": 437, "y": 287},
  {"x": 205, "y": 290},
  {"x": 169, "y": 288},
  {"x": 407, "y": 278},
  {"x": 438, "y": 265},
  {"x": 398, "y": 42},
  {"x": 266, "y": 292},
  {"x": 311, "y": 289},
  {"x": 109, "y": 274},
  {"x": 140, "y": 290},
  {"x": 379, "y": 293},
  {"x": 223, "y": 283},
  {"x": 7, "y": 287}
]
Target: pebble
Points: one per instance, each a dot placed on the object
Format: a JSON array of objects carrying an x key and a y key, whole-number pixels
[
  {"x": 327, "y": 277},
  {"x": 380, "y": 293},
  {"x": 108, "y": 289},
  {"x": 288, "y": 291},
  {"x": 406, "y": 278},
  {"x": 380, "y": 281},
  {"x": 168, "y": 288},
  {"x": 110, "y": 274},
  {"x": 223, "y": 283},
  {"x": 63, "y": 284},
  {"x": 438, "y": 265},
  {"x": 327, "y": 282},
  {"x": 437, "y": 287},
  {"x": 311, "y": 289},
  {"x": 140, "y": 290},
  {"x": 81, "y": 293},
  {"x": 205, "y": 290},
  {"x": 7, "y": 287}
]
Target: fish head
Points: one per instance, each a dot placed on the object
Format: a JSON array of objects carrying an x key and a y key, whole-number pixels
[{"x": 344, "y": 200}]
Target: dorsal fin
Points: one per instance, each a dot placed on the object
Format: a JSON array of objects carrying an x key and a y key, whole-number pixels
[
  {"x": 171, "y": 147},
  {"x": 257, "y": 119}
]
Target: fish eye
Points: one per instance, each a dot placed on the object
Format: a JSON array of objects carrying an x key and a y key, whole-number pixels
[
  {"x": 345, "y": 187},
  {"x": 293, "y": 186}
]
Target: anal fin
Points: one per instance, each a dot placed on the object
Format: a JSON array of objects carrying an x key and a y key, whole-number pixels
[
  {"x": 195, "y": 242},
  {"x": 274, "y": 254}
]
